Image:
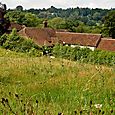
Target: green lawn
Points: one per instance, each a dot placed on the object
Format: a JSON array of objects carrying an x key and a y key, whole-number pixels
[{"x": 44, "y": 86}]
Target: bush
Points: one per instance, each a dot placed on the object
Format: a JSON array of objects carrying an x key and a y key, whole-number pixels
[
  {"x": 84, "y": 55},
  {"x": 16, "y": 43}
]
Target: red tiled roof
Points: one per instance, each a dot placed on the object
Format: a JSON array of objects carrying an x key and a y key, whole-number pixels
[
  {"x": 84, "y": 39},
  {"x": 17, "y": 26},
  {"x": 107, "y": 44},
  {"x": 39, "y": 36}
]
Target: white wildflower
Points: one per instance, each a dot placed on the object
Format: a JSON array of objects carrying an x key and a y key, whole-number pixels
[
  {"x": 98, "y": 106},
  {"x": 52, "y": 57}
]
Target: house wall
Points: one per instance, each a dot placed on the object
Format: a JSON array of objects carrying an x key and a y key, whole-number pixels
[{"x": 91, "y": 48}]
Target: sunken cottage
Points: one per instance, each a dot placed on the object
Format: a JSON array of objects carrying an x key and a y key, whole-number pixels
[
  {"x": 83, "y": 40},
  {"x": 49, "y": 37}
]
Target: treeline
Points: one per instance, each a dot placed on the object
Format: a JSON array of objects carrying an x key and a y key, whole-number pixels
[
  {"x": 86, "y": 15},
  {"x": 81, "y": 20}
]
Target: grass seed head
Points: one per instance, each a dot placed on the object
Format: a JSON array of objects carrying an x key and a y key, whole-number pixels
[
  {"x": 90, "y": 102},
  {"x": 111, "y": 110},
  {"x": 75, "y": 112},
  {"x": 99, "y": 111},
  {"x": 16, "y": 95},
  {"x": 103, "y": 113},
  {"x": 3, "y": 99},
  {"x": 81, "y": 112},
  {"x": 37, "y": 101},
  {"x": 6, "y": 100}
]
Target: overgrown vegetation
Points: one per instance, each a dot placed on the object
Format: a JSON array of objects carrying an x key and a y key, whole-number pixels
[
  {"x": 16, "y": 43},
  {"x": 45, "y": 86},
  {"x": 84, "y": 55},
  {"x": 48, "y": 86}
]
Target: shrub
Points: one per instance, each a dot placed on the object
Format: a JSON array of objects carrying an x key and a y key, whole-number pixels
[
  {"x": 16, "y": 43},
  {"x": 84, "y": 55}
]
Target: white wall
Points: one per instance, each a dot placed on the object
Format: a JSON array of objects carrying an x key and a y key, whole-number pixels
[{"x": 92, "y": 48}]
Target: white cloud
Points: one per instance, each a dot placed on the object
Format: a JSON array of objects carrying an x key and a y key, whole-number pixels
[{"x": 60, "y": 3}]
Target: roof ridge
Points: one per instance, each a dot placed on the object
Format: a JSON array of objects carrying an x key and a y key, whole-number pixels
[
  {"x": 108, "y": 39},
  {"x": 79, "y": 33}
]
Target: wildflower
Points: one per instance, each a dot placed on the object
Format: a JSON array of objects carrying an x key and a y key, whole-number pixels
[
  {"x": 10, "y": 93},
  {"x": 6, "y": 100},
  {"x": 80, "y": 112},
  {"x": 52, "y": 57},
  {"x": 98, "y": 106},
  {"x": 75, "y": 112},
  {"x": 17, "y": 95},
  {"x": 91, "y": 102},
  {"x": 36, "y": 101},
  {"x": 111, "y": 111},
  {"x": 3, "y": 99}
]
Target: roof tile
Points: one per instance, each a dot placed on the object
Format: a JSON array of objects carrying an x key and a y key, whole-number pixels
[{"x": 107, "y": 44}]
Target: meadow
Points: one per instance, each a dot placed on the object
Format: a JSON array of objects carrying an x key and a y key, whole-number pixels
[{"x": 46, "y": 86}]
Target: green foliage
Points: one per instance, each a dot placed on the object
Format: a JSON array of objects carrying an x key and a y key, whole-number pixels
[
  {"x": 3, "y": 39},
  {"x": 32, "y": 20},
  {"x": 56, "y": 23},
  {"x": 24, "y": 18},
  {"x": 16, "y": 43},
  {"x": 19, "y": 8},
  {"x": 85, "y": 15},
  {"x": 73, "y": 19},
  {"x": 84, "y": 55},
  {"x": 109, "y": 22},
  {"x": 71, "y": 25}
]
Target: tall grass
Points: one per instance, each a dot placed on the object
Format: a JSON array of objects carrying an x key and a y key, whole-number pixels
[{"x": 44, "y": 86}]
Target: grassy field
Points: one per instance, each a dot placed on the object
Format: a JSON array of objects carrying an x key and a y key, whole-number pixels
[{"x": 45, "y": 86}]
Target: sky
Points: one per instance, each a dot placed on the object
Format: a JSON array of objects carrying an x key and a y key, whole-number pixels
[{"x": 27, "y": 4}]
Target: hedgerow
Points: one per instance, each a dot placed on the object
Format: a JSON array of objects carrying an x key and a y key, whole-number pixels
[{"x": 84, "y": 55}]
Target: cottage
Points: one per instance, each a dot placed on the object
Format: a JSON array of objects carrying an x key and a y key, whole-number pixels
[
  {"x": 49, "y": 37},
  {"x": 79, "y": 39},
  {"x": 45, "y": 36},
  {"x": 107, "y": 44}
]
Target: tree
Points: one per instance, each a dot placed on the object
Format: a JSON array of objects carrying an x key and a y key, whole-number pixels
[
  {"x": 20, "y": 8},
  {"x": 24, "y": 18},
  {"x": 109, "y": 23},
  {"x": 57, "y": 23}
]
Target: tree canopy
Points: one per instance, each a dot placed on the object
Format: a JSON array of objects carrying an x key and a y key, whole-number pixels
[{"x": 109, "y": 22}]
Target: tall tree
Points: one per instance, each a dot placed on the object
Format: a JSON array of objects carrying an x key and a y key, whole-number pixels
[{"x": 109, "y": 22}]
